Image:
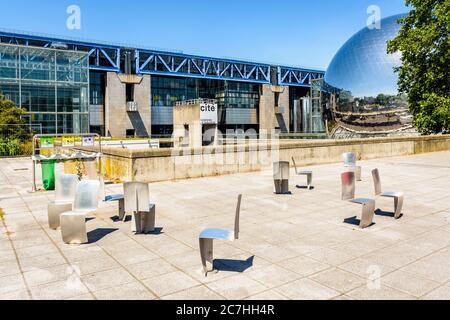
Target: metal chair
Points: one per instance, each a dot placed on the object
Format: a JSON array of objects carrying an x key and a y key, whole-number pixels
[
  {"x": 120, "y": 198},
  {"x": 348, "y": 194},
  {"x": 281, "y": 177},
  {"x": 73, "y": 223},
  {"x": 207, "y": 237},
  {"x": 350, "y": 163},
  {"x": 65, "y": 189},
  {"x": 398, "y": 196},
  {"x": 307, "y": 173},
  {"x": 137, "y": 201}
]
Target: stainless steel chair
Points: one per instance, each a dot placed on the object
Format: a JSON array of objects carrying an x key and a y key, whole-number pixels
[
  {"x": 65, "y": 189},
  {"x": 398, "y": 196},
  {"x": 307, "y": 173},
  {"x": 281, "y": 177},
  {"x": 120, "y": 198},
  {"x": 207, "y": 237},
  {"x": 348, "y": 194},
  {"x": 73, "y": 223},
  {"x": 350, "y": 163},
  {"x": 137, "y": 202}
]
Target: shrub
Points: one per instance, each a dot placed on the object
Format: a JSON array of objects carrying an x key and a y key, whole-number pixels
[
  {"x": 26, "y": 148},
  {"x": 10, "y": 147}
]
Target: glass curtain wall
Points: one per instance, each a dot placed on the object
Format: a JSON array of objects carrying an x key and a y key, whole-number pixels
[
  {"x": 229, "y": 94},
  {"x": 97, "y": 88},
  {"x": 51, "y": 85}
]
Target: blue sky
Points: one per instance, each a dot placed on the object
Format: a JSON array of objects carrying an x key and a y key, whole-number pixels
[{"x": 292, "y": 32}]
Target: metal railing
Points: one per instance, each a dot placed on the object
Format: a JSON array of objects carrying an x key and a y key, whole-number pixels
[
  {"x": 195, "y": 101},
  {"x": 132, "y": 106},
  {"x": 62, "y": 146}
]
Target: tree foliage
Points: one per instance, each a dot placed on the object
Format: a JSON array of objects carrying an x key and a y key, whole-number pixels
[
  {"x": 424, "y": 41},
  {"x": 12, "y": 126}
]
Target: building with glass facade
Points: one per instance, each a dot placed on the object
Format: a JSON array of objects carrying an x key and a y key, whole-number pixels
[
  {"x": 51, "y": 85},
  {"x": 237, "y": 101},
  {"x": 68, "y": 86}
]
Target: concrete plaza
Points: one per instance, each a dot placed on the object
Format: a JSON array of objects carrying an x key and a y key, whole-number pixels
[{"x": 291, "y": 247}]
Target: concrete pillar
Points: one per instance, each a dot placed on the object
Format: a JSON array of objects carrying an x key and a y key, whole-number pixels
[
  {"x": 187, "y": 116},
  {"x": 117, "y": 119},
  {"x": 142, "y": 120},
  {"x": 195, "y": 134},
  {"x": 269, "y": 116},
  {"x": 115, "y": 109},
  {"x": 178, "y": 135},
  {"x": 266, "y": 109},
  {"x": 283, "y": 103}
]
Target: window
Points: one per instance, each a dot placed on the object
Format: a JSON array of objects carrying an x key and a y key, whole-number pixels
[{"x": 52, "y": 85}]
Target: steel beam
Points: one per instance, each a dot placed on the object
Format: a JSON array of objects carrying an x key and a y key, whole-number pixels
[
  {"x": 289, "y": 76},
  {"x": 173, "y": 63}
]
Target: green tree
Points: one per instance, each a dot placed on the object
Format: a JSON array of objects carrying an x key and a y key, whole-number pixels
[
  {"x": 382, "y": 99},
  {"x": 12, "y": 126},
  {"x": 424, "y": 42}
]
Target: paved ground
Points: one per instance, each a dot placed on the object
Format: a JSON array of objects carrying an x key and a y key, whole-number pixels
[{"x": 291, "y": 247}]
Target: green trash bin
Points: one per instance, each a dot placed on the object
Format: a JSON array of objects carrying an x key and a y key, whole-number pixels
[{"x": 48, "y": 174}]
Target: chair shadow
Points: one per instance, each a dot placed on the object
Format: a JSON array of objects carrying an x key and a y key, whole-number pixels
[
  {"x": 233, "y": 265},
  {"x": 388, "y": 214},
  {"x": 156, "y": 232},
  {"x": 382, "y": 213},
  {"x": 117, "y": 219},
  {"x": 355, "y": 221},
  {"x": 89, "y": 219},
  {"x": 98, "y": 234},
  {"x": 305, "y": 187}
]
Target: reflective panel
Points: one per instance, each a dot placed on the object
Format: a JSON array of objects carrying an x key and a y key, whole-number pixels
[
  {"x": 66, "y": 187},
  {"x": 364, "y": 71},
  {"x": 86, "y": 198}
]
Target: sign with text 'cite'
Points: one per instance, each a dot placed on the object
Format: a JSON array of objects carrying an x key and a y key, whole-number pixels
[{"x": 208, "y": 113}]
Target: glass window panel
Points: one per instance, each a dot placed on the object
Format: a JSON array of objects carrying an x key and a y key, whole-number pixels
[
  {"x": 47, "y": 121},
  {"x": 38, "y": 97},
  {"x": 73, "y": 123},
  {"x": 49, "y": 81}
]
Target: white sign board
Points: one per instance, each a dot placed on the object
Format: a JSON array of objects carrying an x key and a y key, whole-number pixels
[
  {"x": 208, "y": 113},
  {"x": 88, "y": 141}
]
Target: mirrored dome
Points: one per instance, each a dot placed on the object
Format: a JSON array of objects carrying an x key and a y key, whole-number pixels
[{"x": 363, "y": 69}]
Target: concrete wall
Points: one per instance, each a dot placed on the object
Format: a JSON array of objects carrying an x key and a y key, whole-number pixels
[
  {"x": 283, "y": 102},
  {"x": 267, "y": 111},
  {"x": 117, "y": 119},
  {"x": 142, "y": 120},
  {"x": 182, "y": 163},
  {"x": 187, "y": 115}
]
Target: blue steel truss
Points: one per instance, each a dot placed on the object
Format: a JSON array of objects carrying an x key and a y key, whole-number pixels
[
  {"x": 107, "y": 57},
  {"x": 152, "y": 62},
  {"x": 290, "y": 76},
  {"x": 101, "y": 57}
]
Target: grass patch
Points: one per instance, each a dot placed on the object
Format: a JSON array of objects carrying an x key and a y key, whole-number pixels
[{"x": 2, "y": 214}]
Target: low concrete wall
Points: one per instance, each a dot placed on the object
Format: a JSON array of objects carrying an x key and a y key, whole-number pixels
[{"x": 170, "y": 164}]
